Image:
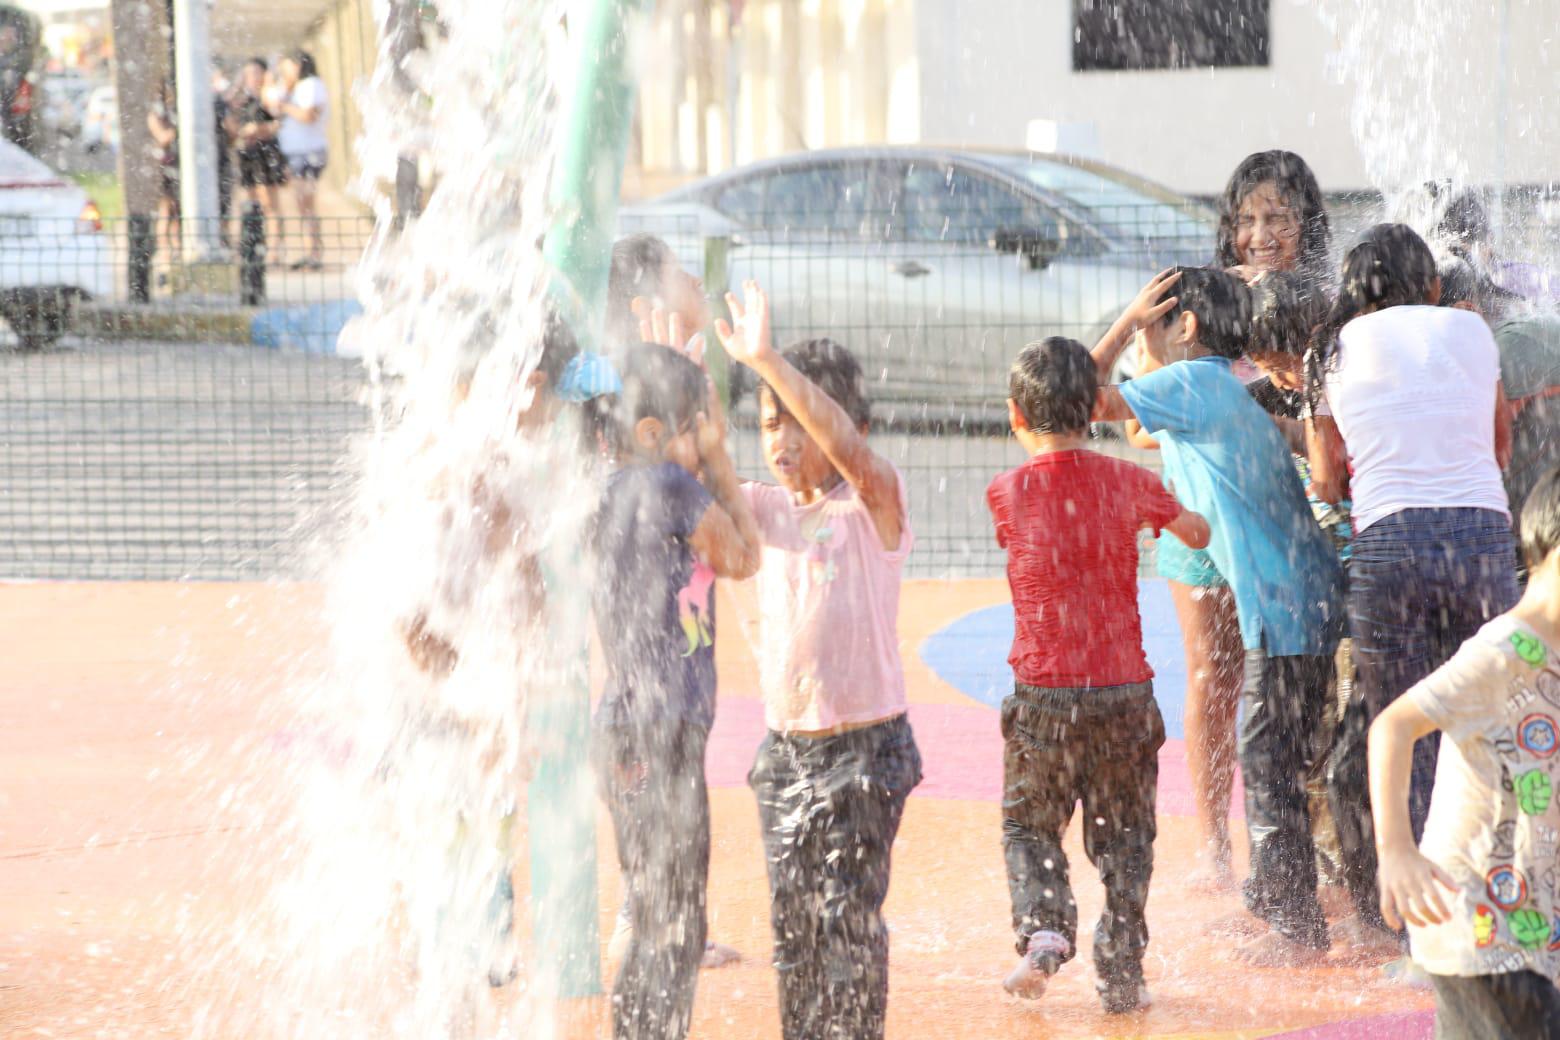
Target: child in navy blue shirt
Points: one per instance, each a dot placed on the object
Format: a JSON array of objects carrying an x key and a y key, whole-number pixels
[
  {"x": 1228, "y": 461},
  {"x": 660, "y": 538}
]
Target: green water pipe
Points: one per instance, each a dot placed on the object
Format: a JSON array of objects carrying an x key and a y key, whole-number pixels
[{"x": 586, "y": 183}]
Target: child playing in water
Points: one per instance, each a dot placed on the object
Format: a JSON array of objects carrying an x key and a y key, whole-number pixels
[
  {"x": 1272, "y": 224},
  {"x": 660, "y": 538},
  {"x": 1433, "y": 558},
  {"x": 652, "y": 300},
  {"x": 1081, "y": 722},
  {"x": 1479, "y": 892},
  {"x": 833, "y": 773},
  {"x": 1229, "y": 462},
  {"x": 646, "y": 276}
]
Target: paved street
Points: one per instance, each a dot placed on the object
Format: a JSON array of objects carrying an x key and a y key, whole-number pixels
[{"x": 168, "y": 461}]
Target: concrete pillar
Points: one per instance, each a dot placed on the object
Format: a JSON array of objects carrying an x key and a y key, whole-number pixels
[
  {"x": 197, "y": 129},
  {"x": 140, "y": 62}
]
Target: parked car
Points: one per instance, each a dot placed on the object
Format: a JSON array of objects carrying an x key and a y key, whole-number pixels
[
  {"x": 934, "y": 265},
  {"x": 52, "y": 251},
  {"x": 21, "y": 69}
]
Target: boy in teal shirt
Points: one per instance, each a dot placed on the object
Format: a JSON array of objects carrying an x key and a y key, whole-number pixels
[{"x": 1228, "y": 461}]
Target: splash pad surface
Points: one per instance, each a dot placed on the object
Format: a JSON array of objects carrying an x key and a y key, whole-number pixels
[{"x": 124, "y": 708}]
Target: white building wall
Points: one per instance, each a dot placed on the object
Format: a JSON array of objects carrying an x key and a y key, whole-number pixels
[{"x": 988, "y": 67}]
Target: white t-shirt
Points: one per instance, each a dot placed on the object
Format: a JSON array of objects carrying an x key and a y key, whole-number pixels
[
  {"x": 297, "y": 137},
  {"x": 1413, "y": 394},
  {"x": 1494, "y": 821}
]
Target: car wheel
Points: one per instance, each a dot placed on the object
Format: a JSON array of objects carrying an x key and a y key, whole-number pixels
[{"x": 38, "y": 317}]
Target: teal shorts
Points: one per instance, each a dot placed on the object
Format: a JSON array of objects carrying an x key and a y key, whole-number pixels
[{"x": 1193, "y": 567}]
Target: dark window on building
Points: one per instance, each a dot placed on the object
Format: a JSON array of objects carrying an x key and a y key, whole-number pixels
[{"x": 1117, "y": 35}]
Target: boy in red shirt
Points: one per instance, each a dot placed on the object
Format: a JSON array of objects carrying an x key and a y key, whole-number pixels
[{"x": 1081, "y": 723}]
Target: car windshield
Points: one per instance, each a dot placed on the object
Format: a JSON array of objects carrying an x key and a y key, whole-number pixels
[{"x": 1124, "y": 210}]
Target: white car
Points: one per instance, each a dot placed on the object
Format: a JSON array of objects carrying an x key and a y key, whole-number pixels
[{"x": 52, "y": 249}]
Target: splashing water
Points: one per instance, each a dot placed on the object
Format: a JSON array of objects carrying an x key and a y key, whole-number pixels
[{"x": 382, "y": 903}]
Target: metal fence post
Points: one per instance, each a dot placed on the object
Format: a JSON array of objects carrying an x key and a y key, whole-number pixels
[
  {"x": 717, "y": 254},
  {"x": 251, "y": 256},
  {"x": 142, "y": 239}
]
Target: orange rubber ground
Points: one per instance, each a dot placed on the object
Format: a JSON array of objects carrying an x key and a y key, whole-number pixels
[{"x": 105, "y": 855}]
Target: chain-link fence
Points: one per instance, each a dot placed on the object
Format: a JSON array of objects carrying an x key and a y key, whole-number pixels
[
  {"x": 169, "y": 416},
  {"x": 192, "y": 434}
]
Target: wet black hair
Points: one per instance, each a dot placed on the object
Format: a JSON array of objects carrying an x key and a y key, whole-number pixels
[
  {"x": 1455, "y": 218},
  {"x": 637, "y": 263},
  {"x": 260, "y": 63},
  {"x": 1053, "y": 382},
  {"x": 1540, "y": 521},
  {"x": 306, "y": 65},
  {"x": 835, "y": 371},
  {"x": 1390, "y": 266},
  {"x": 1298, "y": 187},
  {"x": 1463, "y": 281},
  {"x": 559, "y": 347},
  {"x": 1286, "y": 307},
  {"x": 658, "y": 383},
  {"x": 1222, "y": 304}
]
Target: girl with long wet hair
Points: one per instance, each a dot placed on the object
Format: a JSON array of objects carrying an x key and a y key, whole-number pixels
[
  {"x": 1409, "y": 401},
  {"x": 1271, "y": 224}
]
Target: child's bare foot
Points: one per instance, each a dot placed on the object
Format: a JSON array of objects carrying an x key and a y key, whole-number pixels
[
  {"x": 1358, "y": 942},
  {"x": 1211, "y": 876},
  {"x": 1277, "y": 950},
  {"x": 719, "y": 955},
  {"x": 1239, "y": 925}
]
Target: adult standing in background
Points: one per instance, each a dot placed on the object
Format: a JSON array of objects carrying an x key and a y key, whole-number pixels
[
  {"x": 304, "y": 112},
  {"x": 262, "y": 168}
]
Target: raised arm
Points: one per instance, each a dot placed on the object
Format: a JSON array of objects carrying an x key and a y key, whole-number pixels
[
  {"x": 727, "y": 535},
  {"x": 1408, "y": 880},
  {"x": 1145, "y": 308},
  {"x": 747, "y": 340}
]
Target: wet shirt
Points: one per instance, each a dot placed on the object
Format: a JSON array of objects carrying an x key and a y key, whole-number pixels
[
  {"x": 1226, "y": 460},
  {"x": 1069, "y": 521},
  {"x": 654, "y": 600},
  {"x": 1413, "y": 394},
  {"x": 828, "y": 627},
  {"x": 1494, "y": 822}
]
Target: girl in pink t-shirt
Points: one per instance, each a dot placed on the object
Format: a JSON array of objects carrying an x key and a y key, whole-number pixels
[{"x": 833, "y": 773}]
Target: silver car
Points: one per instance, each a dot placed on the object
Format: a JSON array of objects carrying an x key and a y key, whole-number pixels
[{"x": 934, "y": 265}]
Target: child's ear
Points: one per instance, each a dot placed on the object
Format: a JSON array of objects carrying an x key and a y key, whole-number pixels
[
  {"x": 536, "y": 380},
  {"x": 647, "y": 433},
  {"x": 1189, "y": 327},
  {"x": 1016, "y": 418}
]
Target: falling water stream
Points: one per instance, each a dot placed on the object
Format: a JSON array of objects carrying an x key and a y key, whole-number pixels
[{"x": 378, "y": 906}]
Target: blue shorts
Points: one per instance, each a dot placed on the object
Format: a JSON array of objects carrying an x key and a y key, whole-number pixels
[
  {"x": 308, "y": 166},
  {"x": 1193, "y": 567}
]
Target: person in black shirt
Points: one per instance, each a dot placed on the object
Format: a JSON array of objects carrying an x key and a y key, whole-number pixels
[{"x": 261, "y": 167}]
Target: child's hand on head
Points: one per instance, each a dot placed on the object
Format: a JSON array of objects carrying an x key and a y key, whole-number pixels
[
  {"x": 747, "y": 338},
  {"x": 1147, "y": 307}
]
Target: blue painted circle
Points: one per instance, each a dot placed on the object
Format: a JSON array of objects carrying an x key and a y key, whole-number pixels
[{"x": 971, "y": 653}]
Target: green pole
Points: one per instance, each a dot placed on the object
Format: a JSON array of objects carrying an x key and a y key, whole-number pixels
[{"x": 587, "y": 181}]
